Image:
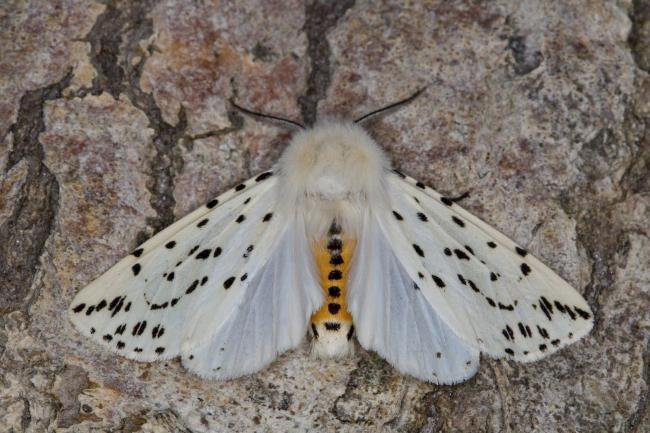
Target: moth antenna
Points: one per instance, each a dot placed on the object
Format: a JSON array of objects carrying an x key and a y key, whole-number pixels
[
  {"x": 287, "y": 122},
  {"x": 397, "y": 104}
]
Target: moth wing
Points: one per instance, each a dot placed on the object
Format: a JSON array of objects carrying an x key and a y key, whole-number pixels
[
  {"x": 153, "y": 303},
  {"x": 491, "y": 293},
  {"x": 393, "y": 318},
  {"x": 272, "y": 316}
]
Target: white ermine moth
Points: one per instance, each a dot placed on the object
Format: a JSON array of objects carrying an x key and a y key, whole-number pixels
[{"x": 334, "y": 242}]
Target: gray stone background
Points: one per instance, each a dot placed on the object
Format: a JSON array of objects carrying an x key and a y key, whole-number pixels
[{"x": 114, "y": 122}]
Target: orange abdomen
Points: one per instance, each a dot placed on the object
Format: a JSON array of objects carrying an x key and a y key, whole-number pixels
[{"x": 332, "y": 324}]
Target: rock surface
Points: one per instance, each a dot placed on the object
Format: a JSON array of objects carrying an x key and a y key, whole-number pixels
[{"x": 115, "y": 122}]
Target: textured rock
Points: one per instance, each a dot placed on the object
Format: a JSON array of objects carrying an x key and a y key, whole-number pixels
[{"x": 115, "y": 122}]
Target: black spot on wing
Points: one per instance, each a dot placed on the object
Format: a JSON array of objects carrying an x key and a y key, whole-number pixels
[
  {"x": 120, "y": 345},
  {"x": 212, "y": 203},
  {"x": 397, "y": 216},
  {"x": 462, "y": 280},
  {"x": 422, "y": 217},
  {"x": 193, "y": 250},
  {"x": 446, "y": 201},
  {"x": 582, "y": 313},
  {"x": 491, "y": 244},
  {"x": 461, "y": 254},
  {"x": 542, "y": 332},
  {"x": 120, "y": 329},
  {"x": 509, "y": 351},
  {"x": 117, "y": 307},
  {"x": 493, "y": 276},
  {"x": 192, "y": 287},
  {"x": 525, "y": 269},
  {"x": 522, "y": 252},
  {"x": 469, "y": 249},
  {"x": 447, "y": 252},
  {"x": 570, "y": 312},
  {"x": 508, "y": 333},
  {"x": 420, "y": 185},
  {"x": 160, "y": 350},
  {"x": 248, "y": 251},
  {"x": 267, "y": 217},
  {"x": 157, "y": 331},
  {"x": 243, "y": 277},
  {"x": 399, "y": 173},
  {"x": 228, "y": 283},
  {"x": 458, "y": 221},
  {"x": 171, "y": 244},
  {"x": 240, "y": 219},
  {"x": 438, "y": 281},
  {"x": 247, "y": 200},
  {"x": 203, "y": 222},
  {"x": 203, "y": 254},
  {"x": 204, "y": 280},
  {"x": 418, "y": 250},
  {"x": 139, "y": 328},
  {"x": 217, "y": 252},
  {"x": 240, "y": 187},
  {"x": 137, "y": 252},
  {"x": 170, "y": 277},
  {"x": 264, "y": 176},
  {"x": 136, "y": 269},
  {"x": 79, "y": 308},
  {"x": 522, "y": 330}
]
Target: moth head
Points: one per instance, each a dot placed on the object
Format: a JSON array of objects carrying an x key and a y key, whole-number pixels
[{"x": 333, "y": 161}]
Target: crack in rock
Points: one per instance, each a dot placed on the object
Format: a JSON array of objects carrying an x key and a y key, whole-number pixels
[
  {"x": 639, "y": 38},
  {"x": 23, "y": 234},
  {"x": 119, "y": 59},
  {"x": 320, "y": 17},
  {"x": 635, "y": 421}
]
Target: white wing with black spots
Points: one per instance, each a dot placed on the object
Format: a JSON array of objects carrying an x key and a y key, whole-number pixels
[
  {"x": 492, "y": 293},
  {"x": 393, "y": 318},
  {"x": 147, "y": 307}
]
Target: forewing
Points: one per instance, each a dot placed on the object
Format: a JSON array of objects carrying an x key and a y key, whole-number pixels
[
  {"x": 488, "y": 290},
  {"x": 145, "y": 307}
]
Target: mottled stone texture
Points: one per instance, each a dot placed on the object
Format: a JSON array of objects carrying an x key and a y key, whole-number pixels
[{"x": 114, "y": 122}]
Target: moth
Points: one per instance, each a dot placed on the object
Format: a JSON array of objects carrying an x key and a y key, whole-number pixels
[{"x": 335, "y": 243}]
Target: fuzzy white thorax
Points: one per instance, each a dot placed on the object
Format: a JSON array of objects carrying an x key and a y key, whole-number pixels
[{"x": 332, "y": 171}]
